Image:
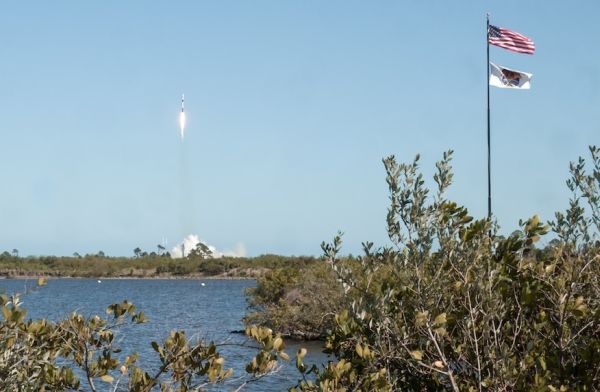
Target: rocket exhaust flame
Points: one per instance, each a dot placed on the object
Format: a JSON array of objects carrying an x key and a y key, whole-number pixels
[
  {"x": 182, "y": 118},
  {"x": 181, "y": 124}
]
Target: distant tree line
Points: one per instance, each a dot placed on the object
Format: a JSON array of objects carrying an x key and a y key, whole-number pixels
[{"x": 199, "y": 262}]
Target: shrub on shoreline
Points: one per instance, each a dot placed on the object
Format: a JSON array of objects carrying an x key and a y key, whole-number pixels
[
  {"x": 298, "y": 302},
  {"x": 462, "y": 308}
]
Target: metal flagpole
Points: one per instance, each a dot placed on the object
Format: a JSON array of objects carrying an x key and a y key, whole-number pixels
[{"x": 487, "y": 82}]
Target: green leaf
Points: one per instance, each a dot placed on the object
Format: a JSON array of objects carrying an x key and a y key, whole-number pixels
[
  {"x": 440, "y": 319},
  {"x": 6, "y": 312},
  {"x": 421, "y": 319},
  {"x": 417, "y": 354},
  {"x": 359, "y": 350}
]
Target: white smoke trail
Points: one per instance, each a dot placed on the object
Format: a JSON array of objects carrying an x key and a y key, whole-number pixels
[
  {"x": 189, "y": 243},
  {"x": 239, "y": 250}
]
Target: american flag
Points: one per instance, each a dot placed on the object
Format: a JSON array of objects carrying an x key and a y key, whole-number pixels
[{"x": 510, "y": 40}]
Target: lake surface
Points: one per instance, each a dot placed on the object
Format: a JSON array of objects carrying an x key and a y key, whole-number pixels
[{"x": 210, "y": 312}]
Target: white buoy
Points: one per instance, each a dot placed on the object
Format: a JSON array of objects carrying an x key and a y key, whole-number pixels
[
  {"x": 202, "y": 284},
  {"x": 99, "y": 281}
]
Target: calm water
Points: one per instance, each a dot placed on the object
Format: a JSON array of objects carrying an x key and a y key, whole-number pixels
[{"x": 211, "y": 312}]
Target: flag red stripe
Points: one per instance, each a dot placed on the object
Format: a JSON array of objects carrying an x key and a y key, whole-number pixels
[
  {"x": 514, "y": 35},
  {"x": 523, "y": 43},
  {"x": 510, "y": 40},
  {"x": 512, "y": 43},
  {"x": 526, "y": 43}
]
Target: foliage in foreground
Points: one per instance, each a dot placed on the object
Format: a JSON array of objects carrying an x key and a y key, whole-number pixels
[
  {"x": 451, "y": 305},
  {"x": 298, "y": 302},
  {"x": 39, "y": 355}
]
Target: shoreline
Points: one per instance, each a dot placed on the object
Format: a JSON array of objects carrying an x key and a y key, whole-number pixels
[{"x": 192, "y": 277}]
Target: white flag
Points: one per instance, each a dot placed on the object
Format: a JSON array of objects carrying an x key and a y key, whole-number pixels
[{"x": 509, "y": 78}]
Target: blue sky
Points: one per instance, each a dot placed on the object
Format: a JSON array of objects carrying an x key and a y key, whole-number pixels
[{"x": 291, "y": 106}]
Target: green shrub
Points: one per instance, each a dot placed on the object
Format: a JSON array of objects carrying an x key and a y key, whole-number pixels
[
  {"x": 299, "y": 303},
  {"x": 459, "y": 307},
  {"x": 213, "y": 267},
  {"x": 40, "y": 355}
]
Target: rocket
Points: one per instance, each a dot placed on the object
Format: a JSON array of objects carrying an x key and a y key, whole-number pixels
[{"x": 182, "y": 117}]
